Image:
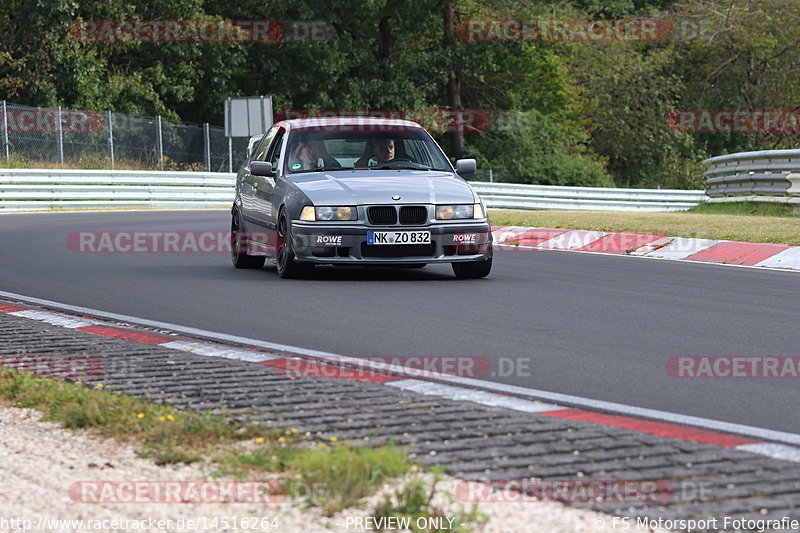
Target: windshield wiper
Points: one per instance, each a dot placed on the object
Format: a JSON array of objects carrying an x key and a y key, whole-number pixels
[
  {"x": 416, "y": 166},
  {"x": 327, "y": 169}
]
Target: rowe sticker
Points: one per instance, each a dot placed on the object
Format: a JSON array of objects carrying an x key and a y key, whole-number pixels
[
  {"x": 329, "y": 240},
  {"x": 465, "y": 238}
]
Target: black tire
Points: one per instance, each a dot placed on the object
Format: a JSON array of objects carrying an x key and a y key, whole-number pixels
[
  {"x": 239, "y": 255},
  {"x": 472, "y": 270},
  {"x": 287, "y": 264}
]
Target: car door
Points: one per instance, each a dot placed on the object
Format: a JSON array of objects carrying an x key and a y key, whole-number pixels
[
  {"x": 247, "y": 182},
  {"x": 264, "y": 186}
]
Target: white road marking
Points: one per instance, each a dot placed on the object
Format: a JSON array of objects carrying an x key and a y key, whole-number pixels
[
  {"x": 681, "y": 248},
  {"x": 55, "y": 319},
  {"x": 789, "y": 258},
  {"x": 471, "y": 395},
  {"x": 216, "y": 350},
  {"x": 778, "y": 451}
]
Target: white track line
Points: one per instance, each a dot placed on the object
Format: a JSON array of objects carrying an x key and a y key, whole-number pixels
[
  {"x": 214, "y": 350},
  {"x": 472, "y": 395},
  {"x": 55, "y": 319}
]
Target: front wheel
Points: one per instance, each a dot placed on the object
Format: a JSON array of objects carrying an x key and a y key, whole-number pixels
[
  {"x": 286, "y": 263},
  {"x": 472, "y": 270}
]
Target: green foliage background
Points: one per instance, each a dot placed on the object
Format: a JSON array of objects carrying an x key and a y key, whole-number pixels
[{"x": 563, "y": 113}]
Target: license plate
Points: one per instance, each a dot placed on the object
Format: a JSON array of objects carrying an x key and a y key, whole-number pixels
[{"x": 398, "y": 237}]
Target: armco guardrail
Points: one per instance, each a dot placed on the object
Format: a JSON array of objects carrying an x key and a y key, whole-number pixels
[
  {"x": 767, "y": 176},
  {"x": 519, "y": 196},
  {"x": 44, "y": 189}
]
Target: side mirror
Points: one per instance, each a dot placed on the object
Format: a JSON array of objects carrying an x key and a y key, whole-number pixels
[
  {"x": 261, "y": 168},
  {"x": 466, "y": 166}
]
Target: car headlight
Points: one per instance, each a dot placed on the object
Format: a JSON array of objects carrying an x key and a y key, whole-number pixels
[
  {"x": 458, "y": 212},
  {"x": 328, "y": 213}
]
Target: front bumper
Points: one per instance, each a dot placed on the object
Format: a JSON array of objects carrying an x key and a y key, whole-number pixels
[{"x": 337, "y": 243}]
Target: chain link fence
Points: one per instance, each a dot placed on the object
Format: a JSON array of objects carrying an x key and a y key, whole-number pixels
[{"x": 46, "y": 137}]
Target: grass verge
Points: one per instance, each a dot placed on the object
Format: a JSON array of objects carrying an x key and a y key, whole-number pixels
[
  {"x": 332, "y": 476},
  {"x": 750, "y": 223}
]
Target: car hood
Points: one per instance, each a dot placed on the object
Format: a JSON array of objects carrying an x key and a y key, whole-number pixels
[{"x": 360, "y": 187}]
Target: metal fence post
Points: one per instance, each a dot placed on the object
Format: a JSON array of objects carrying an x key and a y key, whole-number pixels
[
  {"x": 160, "y": 143},
  {"x": 60, "y": 137},
  {"x": 490, "y": 176},
  {"x": 230, "y": 154},
  {"x": 207, "y": 142},
  {"x": 5, "y": 128},
  {"x": 109, "y": 118}
]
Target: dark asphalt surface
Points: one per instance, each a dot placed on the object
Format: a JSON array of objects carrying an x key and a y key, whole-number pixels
[{"x": 594, "y": 326}]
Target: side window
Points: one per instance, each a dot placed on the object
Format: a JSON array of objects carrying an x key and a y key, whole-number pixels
[
  {"x": 260, "y": 153},
  {"x": 418, "y": 152},
  {"x": 275, "y": 149}
]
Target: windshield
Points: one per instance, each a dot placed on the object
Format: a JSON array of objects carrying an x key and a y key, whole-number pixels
[{"x": 321, "y": 149}]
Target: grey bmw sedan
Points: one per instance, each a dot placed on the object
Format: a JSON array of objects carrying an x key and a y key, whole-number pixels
[{"x": 356, "y": 191}]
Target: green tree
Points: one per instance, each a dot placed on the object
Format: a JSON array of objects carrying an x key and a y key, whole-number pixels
[{"x": 742, "y": 55}]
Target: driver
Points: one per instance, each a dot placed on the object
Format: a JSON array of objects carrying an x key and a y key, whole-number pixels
[{"x": 382, "y": 151}]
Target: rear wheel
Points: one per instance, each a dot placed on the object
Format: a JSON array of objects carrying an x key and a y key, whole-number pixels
[
  {"x": 239, "y": 255},
  {"x": 472, "y": 270},
  {"x": 287, "y": 264}
]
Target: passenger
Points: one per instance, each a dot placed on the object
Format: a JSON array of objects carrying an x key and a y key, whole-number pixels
[{"x": 305, "y": 157}]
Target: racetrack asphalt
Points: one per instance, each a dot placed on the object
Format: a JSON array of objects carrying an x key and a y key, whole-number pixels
[{"x": 595, "y": 326}]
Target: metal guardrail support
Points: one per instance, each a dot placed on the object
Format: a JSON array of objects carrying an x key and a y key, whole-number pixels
[
  {"x": 160, "y": 143},
  {"x": 5, "y": 129},
  {"x": 110, "y": 123},
  {"x": 60, "y": 131},
  {"x": 771, "y": 176},
  {"x": 207, "y": 145}
]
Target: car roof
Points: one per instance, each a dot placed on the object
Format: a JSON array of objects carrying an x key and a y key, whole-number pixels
[{"x": 299, "y": 123}]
